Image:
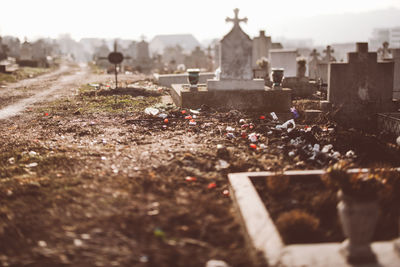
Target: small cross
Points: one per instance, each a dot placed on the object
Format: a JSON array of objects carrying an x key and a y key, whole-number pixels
[
  {"x": 314, "y": 54},
  {"x": 236, "y": 19},
  {"x": 328, "y": 51}
]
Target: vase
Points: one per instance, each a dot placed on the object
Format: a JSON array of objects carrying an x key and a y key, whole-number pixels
[
  {"x": 193, "y": 78},
  {"x": 358, "y": 219},
  {"x": 277, "y": 77}
]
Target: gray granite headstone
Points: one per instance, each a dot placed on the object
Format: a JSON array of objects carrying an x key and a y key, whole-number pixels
[
  {"x": 236, "y": 52},
  {"x": 362, "y": 87},
  {"x": 236, "y": 61}
]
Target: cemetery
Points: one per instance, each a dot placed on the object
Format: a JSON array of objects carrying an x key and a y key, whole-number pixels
[{"x": 250, "y": 155}]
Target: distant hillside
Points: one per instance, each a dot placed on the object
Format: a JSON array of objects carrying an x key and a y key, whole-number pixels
[{"x": 340, "y": 28}]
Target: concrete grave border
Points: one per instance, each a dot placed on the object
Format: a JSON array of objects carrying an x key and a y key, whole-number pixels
[{"x": 263, "y": 237}]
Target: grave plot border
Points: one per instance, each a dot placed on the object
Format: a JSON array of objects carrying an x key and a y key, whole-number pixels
[{"x": 263, "y": 237}]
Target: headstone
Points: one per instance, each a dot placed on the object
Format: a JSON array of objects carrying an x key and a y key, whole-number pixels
[
  {"x": 3, "y": 50},
  {"x": 360, "y": 88},
  {"x": 385, "y": 53},
  {"x": 197, "y": 59},
  {"x": 261, "y": 47},
  {"x": 236, "y": 60},
  {"x": 301, "y": 68},
  {"x": 26, "y": 51},
  {"x": 143, "y": 61},
  {"x": 313, "y": 64},
  {"x": 323, "y": 65},
  {"x": 396, "y": 82},
  {"x": 286, "y": 59},
  {"x": 328, "y": 55},
  {"x": 233, "y": 86}
]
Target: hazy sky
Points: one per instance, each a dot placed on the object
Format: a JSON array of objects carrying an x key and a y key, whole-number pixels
[{"x": 129, "y": 19}]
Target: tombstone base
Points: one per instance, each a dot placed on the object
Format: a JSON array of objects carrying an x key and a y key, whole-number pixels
[
  {"x": 301, "y": 86},
  {"x": 266, "y": 100},
  {"x": 229, "y": 85}
]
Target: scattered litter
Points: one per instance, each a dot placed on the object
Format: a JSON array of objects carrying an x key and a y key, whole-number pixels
[
  {"x": 144, "y": 258},
  {"x": 194, "y": 111},
  {"x": 286, "y": 125},
  {"x": 253, "y": 146},
  {"x": 326, "y": 148},
  {"x": 190, "y": 178},
  {"x": 253, "y": 137},
  {"x": 188, "y": 117},
  {"x": 230, "y": 129},
  {"x": 230, "y": 135},
  {"x": 183, "y": 111},
  {"x": 158, "y": 232},
  {"x": 192, "y": 122},
  {"x": 350, "y": 154},
  {"x": 42, "y": 243},
  {"x": 242, "y": 121},
  {"x": 262, "y": 117},
  {"x": 274, "y": 117},
  {"x": 11, "y": 160},
  {"x": 222, "y": 164},
  {"x": 295, "y": 113},
  {"x": 32, "y": 154},
  {"x": 162, "y": 115},
  {"x": 225, "y": 192},
  {"x": 85, "y": 236},
  {"x": 292, "y": 154},
  {"x": 166, "y": 121},
  {"x": 31, "y": 165},
  {"x": 78, "y": 242},
  {"x": 211, "y": 185},
  {"x": 151, "y": 111},
  {"x": 216, "y": 263},
  {"x": 316, "y": 147}
]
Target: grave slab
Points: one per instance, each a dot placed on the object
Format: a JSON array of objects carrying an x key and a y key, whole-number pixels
[
  {"x": 267, "y": 100},
  {"x": 168, "y": 79},
  {"x": 264, "y": 238}
]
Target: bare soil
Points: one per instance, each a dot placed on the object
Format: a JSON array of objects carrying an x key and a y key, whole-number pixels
[{"x": 89, "y": 179}]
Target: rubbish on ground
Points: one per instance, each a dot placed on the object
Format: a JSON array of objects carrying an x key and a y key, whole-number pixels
[
  {"x": 216, "y": 263},
  {"x": 194, "y": 111},
  {"x": 253, "y": 137},
  {"x": 190, "y": 178},
  {"x": 151, "y": 111},
  {"x": 230, "y": 129},
  {"x": 163, "y": 115},
  {"x": 211, "y": 185},
  {"x": 274, "y": 117}
]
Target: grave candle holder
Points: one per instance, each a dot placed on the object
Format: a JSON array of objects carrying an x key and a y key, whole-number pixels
[
  {"x": 193, "y": 78},
  {"x": 277, "y": 77}
]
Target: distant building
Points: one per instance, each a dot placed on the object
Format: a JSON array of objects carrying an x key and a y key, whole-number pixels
[
  {"x": 160, "y": 42},
  {"x": 381, "y": 35}
]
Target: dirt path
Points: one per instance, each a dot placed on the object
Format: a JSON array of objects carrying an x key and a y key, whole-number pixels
[{"x": 45, "y": 87}]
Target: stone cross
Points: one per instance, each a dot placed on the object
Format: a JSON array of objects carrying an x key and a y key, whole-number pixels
[
  {"x": 236, "y": 19},
  {"x": 314, "y": 54},
  {"x": 385, "y": 52},
  {"x": 328, "y": 54}
]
